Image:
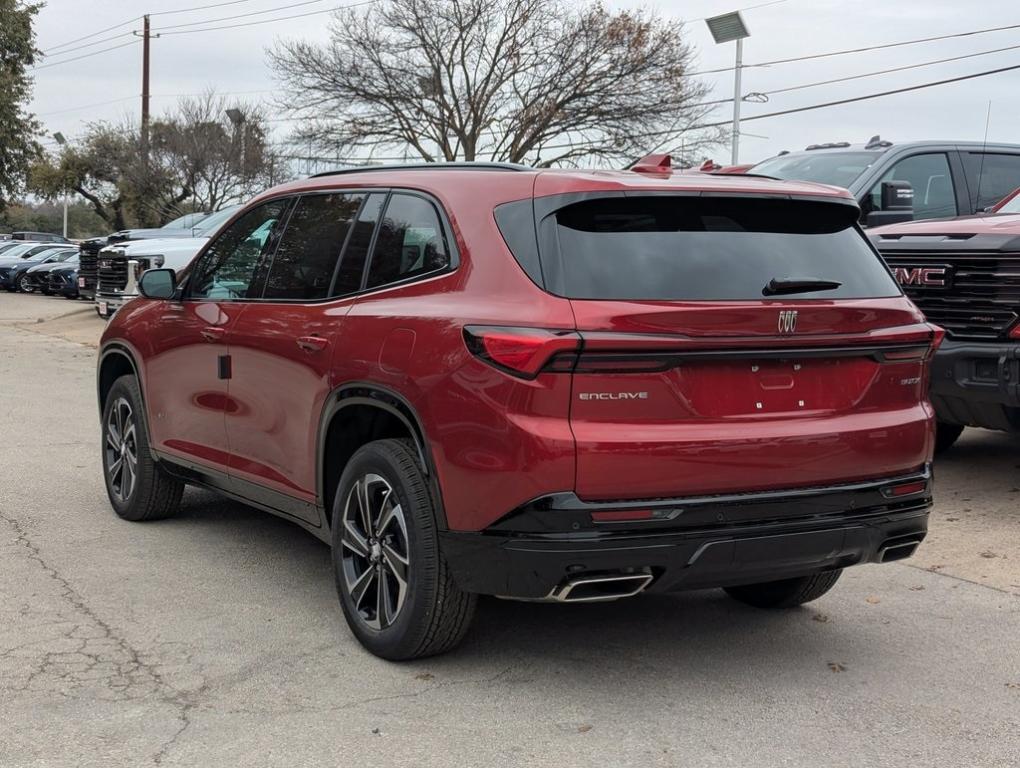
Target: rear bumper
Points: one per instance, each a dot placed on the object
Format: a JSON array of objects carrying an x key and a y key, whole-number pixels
[
  {"x": 977, "y": 384},
  {"x": 694, "y": 543}
]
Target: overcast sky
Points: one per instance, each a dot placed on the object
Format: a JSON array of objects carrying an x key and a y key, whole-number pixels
[{"x": 233, "y": 61}]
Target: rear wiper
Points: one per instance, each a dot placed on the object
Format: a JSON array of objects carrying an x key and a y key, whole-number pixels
[{"x": 782, "y": 285}]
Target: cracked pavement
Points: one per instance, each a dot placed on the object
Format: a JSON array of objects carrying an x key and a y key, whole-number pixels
[{"x": 214, "y": 639}]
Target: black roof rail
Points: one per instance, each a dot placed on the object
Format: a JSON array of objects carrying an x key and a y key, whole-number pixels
[{"x": 465, "y": 166}]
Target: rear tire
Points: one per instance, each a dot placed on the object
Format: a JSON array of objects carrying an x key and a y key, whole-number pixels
[
  {"x": 946, "y": 435},
  {"x": 395, "y": 588},
  {"x": 138, "y": 487},
  {"x": 788, "y": 593}
]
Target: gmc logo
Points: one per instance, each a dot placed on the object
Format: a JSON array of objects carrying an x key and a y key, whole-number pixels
[{"x": 923, "y": 277}]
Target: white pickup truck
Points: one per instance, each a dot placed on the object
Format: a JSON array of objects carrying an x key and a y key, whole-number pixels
[{"x": 121, "y": 264}]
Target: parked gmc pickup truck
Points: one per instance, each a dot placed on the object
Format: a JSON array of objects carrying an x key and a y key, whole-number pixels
[
  {"x": 119, "y": 265},
  {"x": 964, "y": 274}
]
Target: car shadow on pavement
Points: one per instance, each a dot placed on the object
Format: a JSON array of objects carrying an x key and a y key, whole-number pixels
[{"x": 653, "y": 632}]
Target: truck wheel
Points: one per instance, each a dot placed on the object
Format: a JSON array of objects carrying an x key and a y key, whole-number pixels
[
  {"x": 395, "y": 588},
  {"x": 787, "y": 593},
  {"x": 138, "y": 487},
  {"x": 945, "y": 435}
]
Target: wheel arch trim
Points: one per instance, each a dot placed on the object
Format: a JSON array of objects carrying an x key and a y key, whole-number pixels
[
  {"x": 361, "y": 393},
  {"x": 124, "y": 350}
]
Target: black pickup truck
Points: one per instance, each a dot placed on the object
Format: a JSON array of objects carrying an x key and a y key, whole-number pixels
[{"x": 964, "y": 274}]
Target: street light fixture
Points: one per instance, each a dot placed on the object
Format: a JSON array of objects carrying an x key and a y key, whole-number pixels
[
  {"x": 59, "y": 138},
  {"x": 727, "y": 28}
]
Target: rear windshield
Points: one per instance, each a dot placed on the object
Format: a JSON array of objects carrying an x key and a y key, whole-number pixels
[{"x": 704, "y": 248}]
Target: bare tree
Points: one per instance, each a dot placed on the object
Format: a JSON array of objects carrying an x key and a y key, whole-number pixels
[
  {"x": 215, "y": 160},
  {"x": 535, "y": 81},
  {"x": 198, "y": 160}
]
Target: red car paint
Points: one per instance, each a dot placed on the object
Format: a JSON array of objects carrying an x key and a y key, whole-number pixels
[{"x": 499, "y": 440}]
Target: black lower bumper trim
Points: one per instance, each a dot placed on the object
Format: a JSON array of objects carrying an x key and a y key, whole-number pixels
[
  {"x": 739, "y": 550},
  {"x": 977, "y": 384}
]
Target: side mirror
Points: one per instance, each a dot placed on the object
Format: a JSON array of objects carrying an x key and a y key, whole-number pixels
[
  {"x": 897, "y": 204},
  {"x": 158, "y": 284}
]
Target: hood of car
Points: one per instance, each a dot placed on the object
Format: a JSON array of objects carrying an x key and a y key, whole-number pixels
[
  {"x": 995, "y": 224},
  {"x": 150, "y": 234},
  {"x": 160, "y": 246}
]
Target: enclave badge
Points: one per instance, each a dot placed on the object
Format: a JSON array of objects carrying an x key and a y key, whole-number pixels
[{"x": 787, "y": 321}]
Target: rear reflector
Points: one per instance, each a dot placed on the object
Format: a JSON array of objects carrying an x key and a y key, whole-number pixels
[
  {"x": 523, "y": 352},
  {"x": 905, "y": 489},
  {"x": 623, "y": 515}
]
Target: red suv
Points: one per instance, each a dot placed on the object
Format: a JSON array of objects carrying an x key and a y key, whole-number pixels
[{"x": 547, "y": 385}]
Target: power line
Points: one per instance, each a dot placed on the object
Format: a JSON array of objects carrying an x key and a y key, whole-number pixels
[
  {"x": 844, "y": 52},
  {"x": 850, "y": 78},
  {"x": 94, "y": 34},
  {"x": 85, "y": 56},
  {"x": 86, "y": 106},
  {"x": 198, "y": 8},
  {"x": 243, "y": 15},
  {"x": 87, "y": 45},
  {"x": 270, "y": 21},
  {"x": 866, "y": 97}
]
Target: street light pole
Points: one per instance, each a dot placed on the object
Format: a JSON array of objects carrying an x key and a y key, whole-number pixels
[
  {"x": 730, "y": 27},
  {"x": 737, "y": 98}
]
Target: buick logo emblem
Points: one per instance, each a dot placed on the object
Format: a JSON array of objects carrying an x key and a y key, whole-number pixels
[{"x": 787, "y": 321}]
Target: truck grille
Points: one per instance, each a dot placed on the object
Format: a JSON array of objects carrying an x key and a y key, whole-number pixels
[
  {"x": 982, "y": 300},
  {"x": 113, "y": 269},
  {"x": 88, "y": 262}
]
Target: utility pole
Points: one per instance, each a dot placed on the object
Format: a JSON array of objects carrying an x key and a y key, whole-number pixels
[
  {"x": 146, "y": 37},
  {"x": 145, "y": 91}
]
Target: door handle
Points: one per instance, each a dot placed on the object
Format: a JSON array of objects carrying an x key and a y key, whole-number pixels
[
  {"x": 312, "y": 343},
  {"x": 214, "y": 333}
]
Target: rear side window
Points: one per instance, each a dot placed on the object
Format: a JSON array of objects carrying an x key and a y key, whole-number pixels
[
  {"x": 410, "y": 241},
  {"x": 304, "y": 262},
  {"x": 991, "y": 177},
  {"x": 705, "y": 248}
]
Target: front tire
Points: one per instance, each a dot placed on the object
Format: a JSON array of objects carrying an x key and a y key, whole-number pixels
[
  {"x": 787, "y": 593},
  {"x": 138, "y": 487},
  {"x": 25, "y": 284},
  {"x": 395, "y": 588}
]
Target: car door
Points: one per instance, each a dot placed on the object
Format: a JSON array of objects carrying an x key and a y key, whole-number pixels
[
  {"x": 281, "y": 349},
  {"x": 930, "y": 175},
  {"x": 188, "y": 369}
]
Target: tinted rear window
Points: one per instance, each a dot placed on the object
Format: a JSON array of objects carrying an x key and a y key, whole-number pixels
[{"x": 705, "y": 248}]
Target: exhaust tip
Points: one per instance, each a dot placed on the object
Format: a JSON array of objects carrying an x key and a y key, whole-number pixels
[
  {"x": 600, "y": 588},
  {"x": 898, "y": 551}
]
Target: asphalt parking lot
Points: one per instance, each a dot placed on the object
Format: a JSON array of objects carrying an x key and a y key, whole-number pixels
[{"x": 214, "y": 639}]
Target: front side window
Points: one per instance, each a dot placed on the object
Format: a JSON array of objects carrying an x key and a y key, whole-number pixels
[
  {"x": 229, "y": 266},
  {"x": 410, "y": 241},
  {"x": 304, "y": 262},
  {"x": 929, "y": 175}
]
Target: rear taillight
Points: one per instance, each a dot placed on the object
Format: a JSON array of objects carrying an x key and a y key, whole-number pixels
[
  {"x": 524, "y": 352},
  {"x": 1014, "y": 332}
]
